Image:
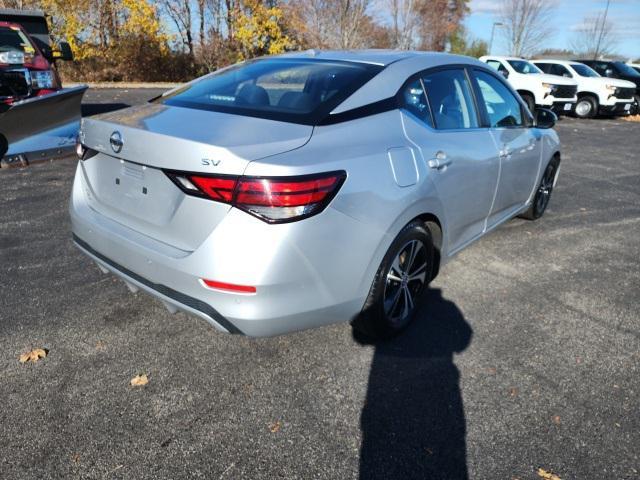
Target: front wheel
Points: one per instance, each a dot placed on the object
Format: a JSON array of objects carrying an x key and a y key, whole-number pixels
[
  {"x": 530, "y": 101},
  {"x": 635, "y": 108},
  {"x": 587, "y": 107},
  {"x": 543, "y": 194},
  {"x": 399, "y": 284}
]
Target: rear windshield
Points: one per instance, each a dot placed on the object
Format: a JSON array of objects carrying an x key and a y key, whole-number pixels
[
  {"x": 584, "y": 70},
  {"x": 14, "y": 40},
  {"x": 522, "y": 66},
  {"x": 291, "y": 90}
]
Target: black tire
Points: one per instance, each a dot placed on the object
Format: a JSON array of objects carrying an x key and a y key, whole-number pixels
[
  {"x": 396, "y": 294},
  {"x": 530, "y": 101},
  {"x": 635, "y": 108},
  {"x": 586, "y": 107},
  {"x": 543, "y": 194}
]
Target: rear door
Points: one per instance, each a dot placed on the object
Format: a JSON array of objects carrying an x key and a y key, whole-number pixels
[
  {"x": 519, "y": 145},
  {"x": 460, "y": 153}
]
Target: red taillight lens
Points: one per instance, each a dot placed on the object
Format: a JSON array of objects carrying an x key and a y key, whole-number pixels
[
  {"x": 216, "y": 188},
  {"x": 272, "y": 199}
]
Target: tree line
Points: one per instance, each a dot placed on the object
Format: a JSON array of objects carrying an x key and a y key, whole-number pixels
[{"x": 175, "y": 40}]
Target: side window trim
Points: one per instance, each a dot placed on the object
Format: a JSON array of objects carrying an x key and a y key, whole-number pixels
[{"x": 528, "y": 119}]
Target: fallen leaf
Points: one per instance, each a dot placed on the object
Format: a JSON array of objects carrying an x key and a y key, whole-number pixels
[
  {"x": 275, "y": 426},
  {"x": 33, "y": 356},
  {"x": 139, "y": 380},
  {"x": 513, "y": 391},
  {"x": 556, "y": 419},
  {"x": 547, "y": 475},
  {"x": 75, "y": 458}
]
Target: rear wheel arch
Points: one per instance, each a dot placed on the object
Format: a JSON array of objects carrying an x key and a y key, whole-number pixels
[{"x": 434, "y": 226}]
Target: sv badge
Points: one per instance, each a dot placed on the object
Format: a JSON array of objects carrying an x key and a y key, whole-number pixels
[{"x": 209, "y": 162}]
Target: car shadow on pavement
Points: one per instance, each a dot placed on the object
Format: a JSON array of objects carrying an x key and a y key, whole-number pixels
[
  {"x": 89, "y": 109},
  {"x": 413, "y": 424}
]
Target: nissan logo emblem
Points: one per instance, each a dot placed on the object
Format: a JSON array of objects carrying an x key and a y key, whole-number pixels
[{"x": 116, "y": 141}]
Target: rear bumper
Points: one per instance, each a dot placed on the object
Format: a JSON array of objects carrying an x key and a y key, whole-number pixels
[
  {"x": 172, "y": 299},
  {"x": 303, "y": 274},
  {"x": 619, "y": 108}
]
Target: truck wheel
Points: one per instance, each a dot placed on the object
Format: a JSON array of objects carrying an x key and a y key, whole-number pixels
[
  {"x": 530, "y": 101},
  {"x": 635, "y": 108},
  {"x": 587, "y": 107}
]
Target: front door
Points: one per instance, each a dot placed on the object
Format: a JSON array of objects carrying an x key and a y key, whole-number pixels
[{"x": 519, "y": 146}]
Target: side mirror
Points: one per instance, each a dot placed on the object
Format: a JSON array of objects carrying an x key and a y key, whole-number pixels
[
  {"x": 47, "y": 52},
  {"x": 64, "y": 53},
  {"x": 608, "y": 72},
  {"x": 504, "y": 73},
  {"x": 545, "y": 118}
]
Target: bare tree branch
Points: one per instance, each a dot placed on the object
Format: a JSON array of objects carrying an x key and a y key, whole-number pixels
[
  {"x": 594, "y": 38},
  {"x": 526, "y": 24}
]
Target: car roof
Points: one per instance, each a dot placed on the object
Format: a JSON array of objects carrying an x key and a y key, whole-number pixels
[
  {"x": 557, "y": 60},
  {"x": 372, "y": 56},
  {"x": 399, "y": 66},
  {"x": 500, "y": 57}
]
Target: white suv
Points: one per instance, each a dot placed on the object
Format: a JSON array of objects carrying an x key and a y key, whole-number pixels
[
  {"x": 535, "y": 87},
  {"x": 596, "y": 94}
]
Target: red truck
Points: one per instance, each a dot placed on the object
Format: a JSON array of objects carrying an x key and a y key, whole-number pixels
[{"x": 27, "y": 59}]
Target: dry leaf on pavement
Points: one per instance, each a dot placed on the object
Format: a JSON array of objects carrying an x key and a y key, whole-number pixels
[
  {"x": 139, "y": 380},
  {"x": 33, "y": 356},
  {"x": 547, "y": 475},
  {"x": 275, "y": 426}
]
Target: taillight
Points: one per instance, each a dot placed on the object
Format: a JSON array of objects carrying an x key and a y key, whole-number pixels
[{"x": 272, "y": 199}]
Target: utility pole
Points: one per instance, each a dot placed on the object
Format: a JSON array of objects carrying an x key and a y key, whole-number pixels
[{"x": 602, "y": 24}]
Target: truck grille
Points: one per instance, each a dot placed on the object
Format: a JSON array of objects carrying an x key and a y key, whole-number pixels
[
  {"x": 624, "y": 92},
  {"x": 565, "y": 91},
  {"x": 15, "y": 83}
]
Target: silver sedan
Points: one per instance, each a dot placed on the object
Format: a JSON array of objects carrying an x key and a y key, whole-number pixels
[{"x": 295, "y": 191}]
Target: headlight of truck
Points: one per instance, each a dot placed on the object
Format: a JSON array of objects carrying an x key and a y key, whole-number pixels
[
  {"x": 549, "y": 86},
  {"x": 42, "y": 78},
  {"x": 611, "y": 88}
]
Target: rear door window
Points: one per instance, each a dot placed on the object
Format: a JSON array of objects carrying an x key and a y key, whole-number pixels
[
  {"x": 560, "y": 70},
  {"x": 414, "y": 100},
  {"x": 451, "y": 99}
]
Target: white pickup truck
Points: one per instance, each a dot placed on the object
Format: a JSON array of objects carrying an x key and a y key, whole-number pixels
[
  {"x": 535, "y": 87},
  {"x": 596, "y": 94}
]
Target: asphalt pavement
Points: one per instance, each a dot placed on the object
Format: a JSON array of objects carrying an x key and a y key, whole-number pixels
[{"x": 525, "y": 357}]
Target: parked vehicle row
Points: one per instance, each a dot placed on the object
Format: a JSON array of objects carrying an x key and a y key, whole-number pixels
[{"x": 584, "y": 88}]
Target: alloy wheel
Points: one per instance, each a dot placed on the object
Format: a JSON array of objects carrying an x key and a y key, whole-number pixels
[
  {"x": 546, "y": 186},
  {"x": 583, "y": 108},
  {"x": 404, "y": 282}
]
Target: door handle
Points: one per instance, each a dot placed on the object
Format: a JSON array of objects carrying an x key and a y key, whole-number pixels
[{"x": 440, "y": 161}]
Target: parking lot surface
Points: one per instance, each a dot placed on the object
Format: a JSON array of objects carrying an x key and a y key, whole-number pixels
[{"x": 526, "y": 356}]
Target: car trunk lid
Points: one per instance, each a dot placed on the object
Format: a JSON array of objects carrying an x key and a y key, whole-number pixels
[{"x": 126, "y": 180}]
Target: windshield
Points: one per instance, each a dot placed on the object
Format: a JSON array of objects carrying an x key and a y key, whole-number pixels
[
  {"x": 626, "y": 69},
  {"x": 584, "y": 71},
  {"x": 16, "y": 40},
  {"x": 522, "y": 66},
  {"x": 291, "y": 90}
]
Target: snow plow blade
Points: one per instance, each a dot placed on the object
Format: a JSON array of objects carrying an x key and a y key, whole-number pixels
[{"x": 40, "y": 128}]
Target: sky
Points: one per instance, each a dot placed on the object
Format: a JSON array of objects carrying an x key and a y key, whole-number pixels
[{"x": 624, "y": 15}]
